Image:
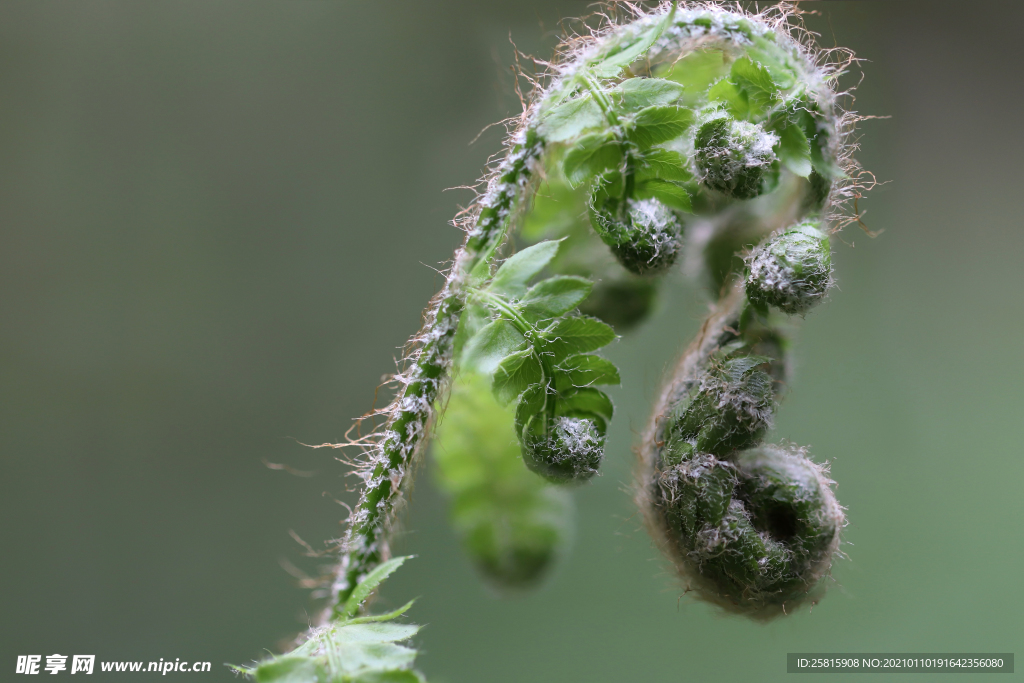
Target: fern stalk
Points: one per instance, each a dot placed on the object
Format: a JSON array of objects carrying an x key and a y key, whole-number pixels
[{"x": 428, "y": 365}]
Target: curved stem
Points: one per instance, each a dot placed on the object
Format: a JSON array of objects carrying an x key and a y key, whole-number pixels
[
  {"x": 597, "y": 92},
  {"x": 629, "y": 163},
  {"x": 365, "y": 543}
]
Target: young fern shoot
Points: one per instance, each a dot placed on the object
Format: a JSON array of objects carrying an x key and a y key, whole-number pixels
[
  {"x": 693, "y": 134},
  {"x": 537, "y": 351}
]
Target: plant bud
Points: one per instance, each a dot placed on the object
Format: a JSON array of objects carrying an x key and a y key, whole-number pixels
[
  {"x": 645, "y": 239},
  {"x": 791, "y": 271},
  {"x": 570, "y": 452},
  {"x": 733, "y": 156}
]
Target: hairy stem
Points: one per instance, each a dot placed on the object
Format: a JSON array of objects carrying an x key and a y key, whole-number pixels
[{"x": 365, "y": 544}]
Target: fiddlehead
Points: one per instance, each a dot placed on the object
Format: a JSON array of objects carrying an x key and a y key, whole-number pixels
[
  {"x": 692, "y": 134},
  {"x": 752, "y": 528},
  {"x": 698, "y": 117},
  {"x": 740, "y": 137}
]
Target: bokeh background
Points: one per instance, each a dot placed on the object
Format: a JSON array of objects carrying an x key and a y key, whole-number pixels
[{"x": 219, "y": 219}]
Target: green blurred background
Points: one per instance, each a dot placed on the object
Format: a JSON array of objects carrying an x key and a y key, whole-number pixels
[{"x": 219, "y": 220}]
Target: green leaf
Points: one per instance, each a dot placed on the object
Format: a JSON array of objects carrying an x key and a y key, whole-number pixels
[
  {"x": 346, "y": 650},
  {"x": 592, "y": 154},
  {"x": 514, "y": 374},
  {"x": 374, "y": 632},
  {"x": 520, "y": 268},
  {"x": 669, "y": 194},
  {"x": 766, "y": 52},
  {"x": 664, "y": 164},
  {"x": 510, "y": 521},
  {"x": 474, "y": 316},
  {"x": 610, "y": 66},
  {"x": 577, "y": 335},
  {"x": 637, "y": 93},
  {"x": 585, "y": 370},
  {"x": 654, "y": 125},
  {"x": 698, "y": 70},
  {"x": 557, "y": 295},
  {"x": 310, "y": 648},
  {"x": 488, "y": 347},
  {"x": 474, "y": 448},
  {"x": 382, "y": 617},
  {"x": 530, "y": 403},
  {"x": 358, "y": 658},
  {"x": 755, "y": 79},
  {"x": 807, "y": 114},
  {"x": 367, "y": 585},
  {"x": 607, "y": 186},
  {"x": 570, "y": 118},
  {"x": 291, "y": 670},
  {"x": 585, "y": 402},
  {"x": 360, "y": 649},
  {"x": 794, "y": 150},
  {"x": 734, "y": 98}
]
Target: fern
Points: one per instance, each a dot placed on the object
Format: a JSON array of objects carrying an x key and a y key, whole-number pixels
[{"x": 691, "y": 133}]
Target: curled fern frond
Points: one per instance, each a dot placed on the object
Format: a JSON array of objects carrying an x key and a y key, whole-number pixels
[
  {"x": 695, "y": 133},
  {"x": 752, "y": 527},
  {"x": 792, "y": 271},
  {"x": 537, "y": 350},
  {"x": 734, "y": 157}
]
